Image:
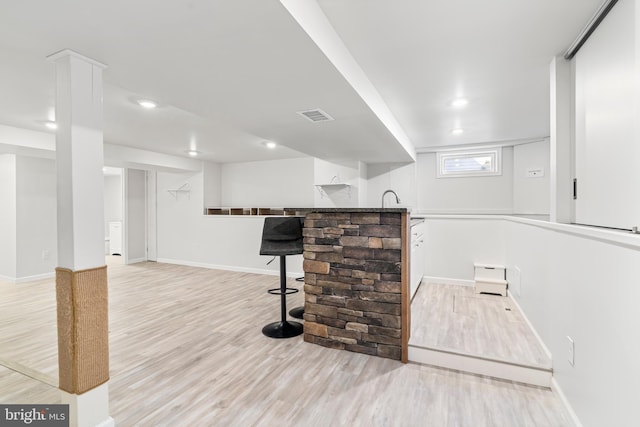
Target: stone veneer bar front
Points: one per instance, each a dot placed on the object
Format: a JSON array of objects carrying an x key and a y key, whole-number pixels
[{"x": 356, "y": 280}]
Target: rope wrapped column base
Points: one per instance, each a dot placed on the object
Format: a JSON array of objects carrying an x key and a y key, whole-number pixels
[{"x": 83, "y": 328}]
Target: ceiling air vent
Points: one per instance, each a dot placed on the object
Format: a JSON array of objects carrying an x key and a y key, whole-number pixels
[{"x": 316, "y": 115}]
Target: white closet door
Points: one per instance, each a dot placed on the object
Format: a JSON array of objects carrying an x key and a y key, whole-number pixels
[{"x": 607, "y": 116}]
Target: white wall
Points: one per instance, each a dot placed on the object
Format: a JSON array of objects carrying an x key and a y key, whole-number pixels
[
  {"x": 489, "y": 194},
  {"x": 531, "y": 194},
  {"x": 289, "y": 183},
  {"x": 454, "y": 245},
  {"x": 36, "y": 247},
  {"x": 135, "y": 220},
  {"x": 212, "y": 175},
  {"x": 186, "y": 236},
  {"x": 337, "y": 173},
  {"x": 571, "y": 285},
  {"x": 28, "y": 217},
  {"x": 273, "y": 183},
  {"x": 588, "y": 290},
  {"x": 8, "y": 216},
  {"x": 392, "y": 176}
]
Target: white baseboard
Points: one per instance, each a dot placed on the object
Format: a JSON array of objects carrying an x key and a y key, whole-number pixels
[
  {"x": 480, "y": 366},
  {"x": 26, "y": 279},
  {"x": 449, "y": 281},
  {"x": 7, "y": 279},
  {"x": 229, "y": 267},
  {"x": 136, "y": 260},
  {"x": 530, "y": 325},
  {"x": 555, "y": 387}
]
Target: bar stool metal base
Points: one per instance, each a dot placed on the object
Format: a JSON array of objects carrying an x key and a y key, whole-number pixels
[
  {"x": 284, "y": 329},
  {"x": 297, "y": 312}
]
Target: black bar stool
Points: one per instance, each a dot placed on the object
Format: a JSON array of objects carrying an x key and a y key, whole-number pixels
[{"x": 282, "y": 236}]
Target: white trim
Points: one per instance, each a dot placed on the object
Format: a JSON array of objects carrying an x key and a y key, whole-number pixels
[
  {"x": 449, "y": 281},
  {"x": 530, "y": 325},
  {"x": 73, "y": 54},
  {"x": 26, "y": 279},
  {"x": 481, "y": 366},
  {"x": 557, "y": 390},
  {"x": 480, "y": 145},
  {"x": 89, "y": 409},
  {"x": 151, "y": 188},
  {"x": 7, "y": 279},
  {"x": 125, "y": 216},
  {"x": 228, "y": 267},
  {"x": 614, "y": 237},
  {"x": 136, "y": 260},
  {"x": 448, "y": 214},
  {"x": 35, "y": 277}
]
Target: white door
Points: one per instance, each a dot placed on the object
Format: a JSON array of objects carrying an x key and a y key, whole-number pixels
[
  {"x": 135, "y": 216},
  {"x": 115, "y": 238},
  {"x": 152, "y": 237}
]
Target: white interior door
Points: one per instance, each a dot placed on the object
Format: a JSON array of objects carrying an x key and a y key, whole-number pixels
[
  {"x": 135, "y": 216},
  {"x": 152, "y": 236}
]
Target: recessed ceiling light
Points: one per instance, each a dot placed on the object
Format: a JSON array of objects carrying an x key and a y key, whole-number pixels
[
  {"x": 147, "y": 103},
  {"x": 457, "y": 131},
  {"x": 270, "y": 144},
  {"x": 459, "y": 102},
  {"x": 51, "y": 125},
  {"x": 193, "y": 153}
]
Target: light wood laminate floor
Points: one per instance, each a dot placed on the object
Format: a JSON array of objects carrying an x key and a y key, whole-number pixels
[
  {"x": 187, "y": 350},
  {"x": 455, "y": 318}
]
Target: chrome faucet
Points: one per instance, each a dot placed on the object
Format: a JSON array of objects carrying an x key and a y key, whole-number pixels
[{"x": 392, "y": 192}]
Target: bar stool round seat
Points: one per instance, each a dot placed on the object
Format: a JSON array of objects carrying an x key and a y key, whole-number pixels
[{"x": 282, "y": 236}]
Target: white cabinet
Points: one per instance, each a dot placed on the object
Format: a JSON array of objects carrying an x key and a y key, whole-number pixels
[
  {"x": 115, "y": 238},
  {"x": 417, "y": 256}
]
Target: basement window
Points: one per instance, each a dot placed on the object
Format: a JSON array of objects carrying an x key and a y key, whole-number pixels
[{"x": 468, "y": 163}]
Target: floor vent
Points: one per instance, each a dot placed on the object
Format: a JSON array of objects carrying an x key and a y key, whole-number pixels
[{"x": 316, "y": 115}]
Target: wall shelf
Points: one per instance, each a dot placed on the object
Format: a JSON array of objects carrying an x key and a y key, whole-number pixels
[
  {"x": 323, "y": 189},
  {"x": 183, "y": 189}
]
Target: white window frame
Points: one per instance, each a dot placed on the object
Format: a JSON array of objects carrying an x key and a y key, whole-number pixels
[{"x": 494, "y": 153}]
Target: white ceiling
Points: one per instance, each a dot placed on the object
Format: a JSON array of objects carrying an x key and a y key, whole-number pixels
[{"x": 231, "y": 74}]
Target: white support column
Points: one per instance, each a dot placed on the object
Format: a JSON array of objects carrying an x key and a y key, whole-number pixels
[
  {"x": 79, "y": 157},
  {"x": 561, "y": 203},
  {"x": 81, "y": 276}
]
